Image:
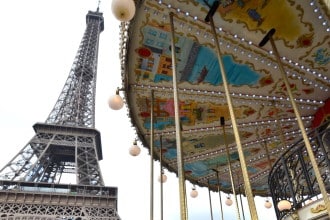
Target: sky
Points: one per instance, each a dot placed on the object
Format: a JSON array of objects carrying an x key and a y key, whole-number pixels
[{"x": 38, "y": 42}]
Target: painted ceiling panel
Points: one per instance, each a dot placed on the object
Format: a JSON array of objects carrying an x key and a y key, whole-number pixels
[{"x": 266, "y": 121}]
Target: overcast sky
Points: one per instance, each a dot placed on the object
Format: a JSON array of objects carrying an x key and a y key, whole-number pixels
[{"x": 38, "y": 42}]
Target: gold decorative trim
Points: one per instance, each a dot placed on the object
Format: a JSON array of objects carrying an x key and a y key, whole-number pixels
[{"x": 318, "y": 208}]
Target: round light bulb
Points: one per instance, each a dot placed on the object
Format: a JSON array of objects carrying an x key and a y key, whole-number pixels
[
  {"x": 134, "y": 150},
  {"x": 164, "y": 178},
  {"x": 268, "y": 204},
  {"x": 228, "y": 201},
  {"x": 116, "y": 102},
  {"x": 123, "y": 10},
  {"x": 193, "y": 193},
  {"x": 283, "y": 205}
]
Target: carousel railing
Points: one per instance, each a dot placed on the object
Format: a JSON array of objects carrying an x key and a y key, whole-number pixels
[{"x": 292, "y": 176}]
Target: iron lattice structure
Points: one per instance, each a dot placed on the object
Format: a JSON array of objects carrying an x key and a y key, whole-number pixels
[
  {"x": 67, "y": 145},
  {"x": 292, "y": 177}
]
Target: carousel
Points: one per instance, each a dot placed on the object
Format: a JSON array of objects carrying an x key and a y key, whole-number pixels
[{"x": 232, "y": 95}]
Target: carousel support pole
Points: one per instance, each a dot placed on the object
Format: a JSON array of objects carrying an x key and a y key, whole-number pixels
[
  {"x": 279, "y": 126},
  {"x": 268, "y": 156},
  {"x": 210, "y": 201},
  {"x": 219, "y": 193},
  {"x": 248, "y": 190},
  {"x": 152, "y": 156},
  {"x": 240, "y": 197},
  {"x": 182, "y": 187},
  {"x": 269, "y": 37},
  {"x": 222, "y": 122},
  {"x": 267, "y": 151},
  {"x": 161, "y": 176}
]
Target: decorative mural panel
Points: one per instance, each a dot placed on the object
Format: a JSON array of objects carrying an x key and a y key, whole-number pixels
[{"x": 196, "y": 63}]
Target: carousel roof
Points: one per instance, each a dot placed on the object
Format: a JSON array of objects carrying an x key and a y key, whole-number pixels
[{"x": 266, "y": 120}]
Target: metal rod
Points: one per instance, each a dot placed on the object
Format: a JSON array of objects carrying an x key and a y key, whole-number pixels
[
  {"x": 229, "y": 166},
  {"x": 187, "y": 210},
  {"x": 161, "y": 176},
  {"x": 248, "y": 190},
  {"x": 279, "y": 126},
  {"x": 299, "y": 120},
  {"x": 305, "y": 172},
  {"x": 268, "y": 156},
  {"x": 289, "y": 183},
  {"x": 219, "y": 193},
  {"x": 152, "y": 156},
  {"x": 240, "y": 197},
  {"x": 210, "y": 201},
  {"x": 182, "y": 188}
]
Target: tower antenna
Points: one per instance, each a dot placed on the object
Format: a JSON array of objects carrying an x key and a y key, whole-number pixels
[{"x": 98, "y": 5}]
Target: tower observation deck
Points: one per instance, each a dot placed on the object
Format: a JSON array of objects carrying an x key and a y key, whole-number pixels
[{"x": 56, "y": 175}]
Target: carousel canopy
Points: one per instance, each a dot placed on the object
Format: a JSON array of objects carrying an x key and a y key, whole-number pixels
[{"x": 266, "y": 121}]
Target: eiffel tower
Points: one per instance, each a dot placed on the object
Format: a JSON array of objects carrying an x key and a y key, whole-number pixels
[{"x": 35, "y": 184}]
